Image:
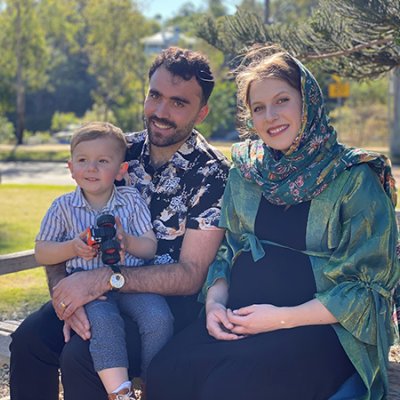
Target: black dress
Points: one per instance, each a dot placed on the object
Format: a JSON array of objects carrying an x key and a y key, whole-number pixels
[{"x": 303, "y": 363}]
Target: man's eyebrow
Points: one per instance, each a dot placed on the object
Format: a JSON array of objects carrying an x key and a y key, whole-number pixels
[
  {"x": 180, "y": 99},
  {"x": 173, "y": 98}
]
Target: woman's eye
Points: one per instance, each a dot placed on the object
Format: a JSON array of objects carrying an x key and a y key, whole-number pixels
[
  {"x": 257, "y": 109},
  {"x": 283, "y": 100}
]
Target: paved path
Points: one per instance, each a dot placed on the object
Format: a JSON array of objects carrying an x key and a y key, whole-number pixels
[
  {"x": 48, "y": 173},
  {"x": 57, "y": 173}
]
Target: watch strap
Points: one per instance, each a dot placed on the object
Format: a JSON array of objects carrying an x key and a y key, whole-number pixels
[{"x": 116, "y": 269}]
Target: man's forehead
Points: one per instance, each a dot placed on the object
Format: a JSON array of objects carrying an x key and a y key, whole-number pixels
[{"x": 171, "y": 85}]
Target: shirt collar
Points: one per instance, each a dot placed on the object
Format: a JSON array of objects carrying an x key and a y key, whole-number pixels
[{"x": 116, "y": 200}]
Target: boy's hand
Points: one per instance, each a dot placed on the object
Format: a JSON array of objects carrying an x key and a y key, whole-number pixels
[
  {"x": 82, "y": 249},
  {"x": 122, "y": 237}
]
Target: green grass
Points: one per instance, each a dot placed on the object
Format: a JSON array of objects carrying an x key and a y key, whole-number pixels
[
  {"x": 22, "y": 209},
  {"x": 34, "y": 153},
  {"x": 60, "y": 152}
]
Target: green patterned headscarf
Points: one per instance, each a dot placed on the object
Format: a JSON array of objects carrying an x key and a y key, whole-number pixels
[{"x": 313, "y": 160}]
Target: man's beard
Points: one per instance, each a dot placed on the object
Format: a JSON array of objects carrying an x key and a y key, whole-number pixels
[{"x": 159, "y": 140}]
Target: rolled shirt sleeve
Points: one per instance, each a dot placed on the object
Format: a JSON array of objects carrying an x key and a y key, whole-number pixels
[{"x": 363, "y": 269}]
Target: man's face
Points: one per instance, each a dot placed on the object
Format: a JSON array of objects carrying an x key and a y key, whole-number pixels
[{"x": 172, "y": 108}]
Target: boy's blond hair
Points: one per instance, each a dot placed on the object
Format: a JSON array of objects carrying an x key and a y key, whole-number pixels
[{"x": 95, "y": 130}]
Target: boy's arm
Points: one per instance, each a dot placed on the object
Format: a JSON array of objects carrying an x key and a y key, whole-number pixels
[
  {"x": 50, "y": 252},
  {"x": 144, "y": 246}
]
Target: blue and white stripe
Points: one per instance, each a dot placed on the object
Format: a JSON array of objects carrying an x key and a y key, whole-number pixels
[{"x": 70, "y": 214}]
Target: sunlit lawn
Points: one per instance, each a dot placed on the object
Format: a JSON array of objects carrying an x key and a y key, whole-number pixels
[{"x": 22, "y": 209}]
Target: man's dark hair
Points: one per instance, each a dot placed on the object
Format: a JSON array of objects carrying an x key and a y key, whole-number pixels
[{"x": 186, "y": 64}]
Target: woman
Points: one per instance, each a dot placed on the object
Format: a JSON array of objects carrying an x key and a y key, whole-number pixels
[{"x": 299, "y": 299}]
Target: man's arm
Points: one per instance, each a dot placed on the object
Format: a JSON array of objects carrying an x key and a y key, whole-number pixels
[
  {"x": 185, "y": 277},
  {"x": 54, "y": 275},
  {"x": 198, "y": 250}
]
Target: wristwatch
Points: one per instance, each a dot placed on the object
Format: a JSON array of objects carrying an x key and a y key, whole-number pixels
[{"x": 117, "y": 280}]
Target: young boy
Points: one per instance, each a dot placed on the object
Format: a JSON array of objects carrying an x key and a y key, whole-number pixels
[{"x": 97, "y": 160}]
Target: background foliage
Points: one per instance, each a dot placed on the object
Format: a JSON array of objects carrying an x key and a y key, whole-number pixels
[{"x": 64, "y": 62}]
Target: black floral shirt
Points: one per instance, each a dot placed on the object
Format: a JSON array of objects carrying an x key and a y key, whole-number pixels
[{"x": 184, "y": 193}]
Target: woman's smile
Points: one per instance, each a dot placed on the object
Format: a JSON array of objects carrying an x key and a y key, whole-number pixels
[{"x": 277, "y": 130}]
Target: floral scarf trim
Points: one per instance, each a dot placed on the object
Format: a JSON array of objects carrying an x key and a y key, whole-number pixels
[{"x": 314, "y": 159}]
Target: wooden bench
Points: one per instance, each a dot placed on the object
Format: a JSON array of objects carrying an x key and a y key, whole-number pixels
[{"x": 10, "y": 263}]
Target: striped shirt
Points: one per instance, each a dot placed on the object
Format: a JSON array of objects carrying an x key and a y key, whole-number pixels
[{"x": 70, "y": 215}]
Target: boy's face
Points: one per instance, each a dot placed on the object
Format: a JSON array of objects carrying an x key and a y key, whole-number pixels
[{"x": 95, "y": 164}]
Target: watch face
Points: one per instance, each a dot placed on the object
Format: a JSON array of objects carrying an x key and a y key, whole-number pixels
[{"x": 117, "y": 281}]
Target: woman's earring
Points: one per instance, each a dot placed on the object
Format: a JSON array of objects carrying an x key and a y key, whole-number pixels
[{"x": 249, "y": 124}]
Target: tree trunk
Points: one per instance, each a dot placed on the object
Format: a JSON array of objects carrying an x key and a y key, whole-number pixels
[
  {"x": 266, "y": 12},
  {"x": 20, "y": 88},
  {"x": 19, "y": 132},
  {"x": 395, "y": 124}
]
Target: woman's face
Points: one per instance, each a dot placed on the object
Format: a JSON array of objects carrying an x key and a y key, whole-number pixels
[{"x": 276, "y": 109}]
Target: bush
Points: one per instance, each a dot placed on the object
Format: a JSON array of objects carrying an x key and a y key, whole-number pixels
[
  {"x": 61, "y": 121},
  {"x": 7, "y": 132},
  {"x": 362, "y": 126},
  {"x": 38, "y": 138}
]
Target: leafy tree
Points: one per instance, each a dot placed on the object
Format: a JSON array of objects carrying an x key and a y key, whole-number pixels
[
  {"x": 252, "y": 6},
  {"x": 221, "y": 118},
  {"x": 290, "y": 11},
  {"x": 216, "y": 8},
  {"x": 69, "y": 84},
  {"x": 25, "y": 55},
  {"x": 115, "y": 28},
  {"x": 356, "y": 38}
]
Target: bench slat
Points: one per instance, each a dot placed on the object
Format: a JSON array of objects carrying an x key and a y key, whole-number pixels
[{"x": 15, "y": 262}]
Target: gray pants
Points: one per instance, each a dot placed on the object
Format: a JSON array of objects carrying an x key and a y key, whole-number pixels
[{"x": 107, "y": 343}]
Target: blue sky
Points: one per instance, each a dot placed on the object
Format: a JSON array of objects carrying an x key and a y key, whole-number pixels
[{"x": 168, "y": 8}]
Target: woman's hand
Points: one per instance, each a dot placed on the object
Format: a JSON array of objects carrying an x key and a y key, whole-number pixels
[
  {"x": 218, "y": 324},
  {"x": 257, "y": 318}
]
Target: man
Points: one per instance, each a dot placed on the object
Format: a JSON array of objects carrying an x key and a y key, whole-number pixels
[{"x": 182, "y": 178}]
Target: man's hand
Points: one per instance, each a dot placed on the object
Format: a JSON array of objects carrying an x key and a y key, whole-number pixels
[
  {"x": 79, "y": 323},
  {"x": 78, "y": 289}
]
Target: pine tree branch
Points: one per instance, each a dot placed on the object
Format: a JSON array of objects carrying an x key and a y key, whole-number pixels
[{"x": 373, "y": 43}]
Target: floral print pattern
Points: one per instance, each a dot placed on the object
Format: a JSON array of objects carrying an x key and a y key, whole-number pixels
[
  {"x": 184, "y": 193},
  {"x": 314, "y": 159}
]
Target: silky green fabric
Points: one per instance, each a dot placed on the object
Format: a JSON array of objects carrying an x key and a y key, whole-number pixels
[{"x": 351, "y": 241}]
